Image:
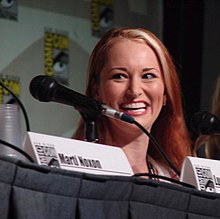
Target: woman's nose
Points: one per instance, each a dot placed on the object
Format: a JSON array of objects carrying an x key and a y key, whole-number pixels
[{"x": 134, "y": 88}]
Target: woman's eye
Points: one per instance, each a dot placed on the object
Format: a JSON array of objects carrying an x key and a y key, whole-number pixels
[
  {"x": 149, "y": 76},
  {"x": 119, "y": 76}
]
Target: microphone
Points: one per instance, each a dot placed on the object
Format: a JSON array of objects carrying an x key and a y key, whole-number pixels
[
  {"x": 205, "y": 123},
  {"x": 46, "y": 89}
]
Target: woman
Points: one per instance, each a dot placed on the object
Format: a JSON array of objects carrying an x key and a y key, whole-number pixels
[
  {"x": 131, "y": 71},
  {"x": 211, "y": 142}
]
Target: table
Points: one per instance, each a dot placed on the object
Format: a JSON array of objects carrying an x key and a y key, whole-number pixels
[{"x": 30, "y": 191}]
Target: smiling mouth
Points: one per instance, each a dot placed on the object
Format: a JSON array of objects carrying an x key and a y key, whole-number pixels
[{"x": 134, "y": 107}]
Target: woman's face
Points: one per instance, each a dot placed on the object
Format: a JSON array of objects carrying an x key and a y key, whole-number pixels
[{"x": 131, "y": 81}]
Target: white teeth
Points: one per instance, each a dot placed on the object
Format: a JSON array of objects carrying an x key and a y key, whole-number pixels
[
  {"x": 138, "y": 110},
  {"x": 134, "y": 105}
]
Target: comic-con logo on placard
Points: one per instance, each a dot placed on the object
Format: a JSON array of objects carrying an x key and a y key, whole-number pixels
[
  {"x": 8, "y": 9},
  {"x": 102, "y": 16},
  {"x": 47, "y": 154},
  {"x": 13, "y": 84},
  {"x": 205, "y": 179},
  {"x": 56, "y": 55}
]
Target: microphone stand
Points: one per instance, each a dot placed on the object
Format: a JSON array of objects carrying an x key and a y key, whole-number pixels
[{"x": 90, "y": 131}]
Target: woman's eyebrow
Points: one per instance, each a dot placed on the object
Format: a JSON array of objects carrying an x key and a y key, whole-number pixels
[{"x": 147, "y": 69}]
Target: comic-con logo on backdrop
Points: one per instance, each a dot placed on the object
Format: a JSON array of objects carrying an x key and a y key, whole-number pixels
[
  {"x": 13, "y": 84},
  {"x": 8, "y": 9},
  {"x": 102, "y": 16},
  {"x": 56, "y": 55}
]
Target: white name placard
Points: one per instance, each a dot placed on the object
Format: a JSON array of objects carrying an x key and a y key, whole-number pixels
[
  {"x": 202, "y": 173},
  {"x": 77, "y": 155}
]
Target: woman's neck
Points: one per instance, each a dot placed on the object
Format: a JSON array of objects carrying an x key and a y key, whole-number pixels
[{"x": 135, "y": 147}]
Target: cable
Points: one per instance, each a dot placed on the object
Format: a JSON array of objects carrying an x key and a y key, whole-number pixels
[
  {"x": 150, "y": 175},
  {"x": 158, "y": 147},
  {"x": 20, "y": 104},
  {"x": 17, "y": 149}
]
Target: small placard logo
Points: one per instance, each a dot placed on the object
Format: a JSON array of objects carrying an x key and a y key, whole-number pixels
[
  {"x": 205, "y": 179},
  {"x": 47, "y": 154}
]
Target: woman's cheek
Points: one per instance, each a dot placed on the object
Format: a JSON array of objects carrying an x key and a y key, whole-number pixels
[{"x": 110, "y": 94}]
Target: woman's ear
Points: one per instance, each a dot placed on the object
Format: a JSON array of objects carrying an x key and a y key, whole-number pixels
[
  {"x": 95, "y": 92},
  {"x": 164, "y": 100}
]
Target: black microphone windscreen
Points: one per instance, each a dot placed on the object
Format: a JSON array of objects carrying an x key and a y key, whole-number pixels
[
  {"x": 39, "y": 87},
  {"x": 205, "y": 123},
  {"x": 45, "y": 88}
]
